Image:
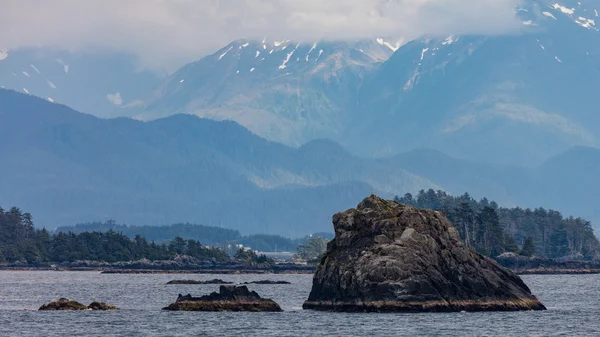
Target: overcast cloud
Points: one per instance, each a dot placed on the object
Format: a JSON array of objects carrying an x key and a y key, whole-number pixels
[{"x": 169, "y": 32}]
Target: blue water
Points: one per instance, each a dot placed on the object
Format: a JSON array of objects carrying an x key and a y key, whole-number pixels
[{"x": 573, "y": 302}]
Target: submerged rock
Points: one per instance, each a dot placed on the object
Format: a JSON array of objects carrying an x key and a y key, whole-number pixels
[
  {"x": 388, "y": 257},
  {"x": 213, "y": 281},
  {"x": 229, "y": 298},
  {"x": 101, "y": 306},
  {"x": 64, "y": 304}
]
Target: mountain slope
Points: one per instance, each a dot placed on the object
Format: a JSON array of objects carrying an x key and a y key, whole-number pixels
[
  {"x": 282, "y": 90},
  {"x": 68, "y": 167},
  {"x": 91, "y": 82},
  {"x": 516, "y": 99}
]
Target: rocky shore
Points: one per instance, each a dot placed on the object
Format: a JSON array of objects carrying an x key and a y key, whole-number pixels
[
  {"x": 229, "y": 298},
  {"x": 542, "y": 266},
  {"x": 388, "y": 257}
]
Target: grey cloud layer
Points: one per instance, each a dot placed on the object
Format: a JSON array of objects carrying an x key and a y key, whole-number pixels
[{"x": 165, "y": 32}]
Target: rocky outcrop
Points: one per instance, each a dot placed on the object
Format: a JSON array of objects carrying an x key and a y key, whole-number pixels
[
  {"x": 229, "y": 298},
  {"x": 388, "y": 257},
  {"x": 64, "y": 304},
  {"x": 213, "y": 281},
  {"x": 101, "y": 306}
]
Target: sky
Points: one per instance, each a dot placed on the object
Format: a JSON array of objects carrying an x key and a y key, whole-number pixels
[{"x": 165, "y": 33}]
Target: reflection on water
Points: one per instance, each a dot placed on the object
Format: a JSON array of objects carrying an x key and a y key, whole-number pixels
[{"x": 573, "y": 302}]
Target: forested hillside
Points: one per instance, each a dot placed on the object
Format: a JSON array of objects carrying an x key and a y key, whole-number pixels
[
  {"x": 493, "y": 230},
  {"x": 20, "y": 242}
]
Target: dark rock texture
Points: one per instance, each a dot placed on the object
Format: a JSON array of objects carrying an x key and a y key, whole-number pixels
[
  {"x": 267, "y": 282},
  {"x": 388, "y": 257},
  {"x": 214, "y": 281},
  {"x": 66, "y": 304},
  {"x": 229, "y": 298},
  {"x": 101, "y": 306},
  {"x": 63, "y": 304}
]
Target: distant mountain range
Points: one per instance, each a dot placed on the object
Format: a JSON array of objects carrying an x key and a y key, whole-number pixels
[
  {"x": 512, "y": 99},
  {"x": 96, "y": 83},
  {"x": 66, "y": 167}
]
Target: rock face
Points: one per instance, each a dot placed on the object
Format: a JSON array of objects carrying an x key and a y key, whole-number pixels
[
  {"x": 229, "y": 298},
  {"x": 388, "y": 257},
  {"x": 66, "y": 304},
  {"x": 63, "y": 304},
  {"x": 214, "y": 281}
]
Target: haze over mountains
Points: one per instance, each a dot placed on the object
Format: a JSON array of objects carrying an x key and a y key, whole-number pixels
[
  {"x": 458, "y": 94},
  {"x": 67, "y": 167},
  {"x": 513, "y": 118}
]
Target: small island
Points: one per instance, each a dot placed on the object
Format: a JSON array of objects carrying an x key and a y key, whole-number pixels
[
  {"x": 389, "y": 257},
  {"x": 229, "y": 298}
]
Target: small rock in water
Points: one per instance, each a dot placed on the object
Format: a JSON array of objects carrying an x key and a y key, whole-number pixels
[
  {"x": 388, "y": 257},
  {"x": 63, "y": 304},
  {"x": 229, "y": 298},
  {"x": 267, "y": 282},
  {"x": 214, "y": 281},
  {"x": 101, "y": 306},
  {"x": 66, "y": 304}
]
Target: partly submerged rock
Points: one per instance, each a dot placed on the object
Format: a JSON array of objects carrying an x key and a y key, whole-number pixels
[
  {"x": 388, "y": 257},
  {"x": 101, "y": 306},
  {"x": 229, "y": 298},
  {"x": 64, "y": 304},
  {"x": 267, "y": 282},
  {"x": 213, "y": 281}
]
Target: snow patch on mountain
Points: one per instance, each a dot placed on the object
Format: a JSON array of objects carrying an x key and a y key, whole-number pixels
[
  {"x": 550, "y": 15},
  {"x": 26, "y": 91},
  {"x": 287, "y": 59},
  {"x": 225, "y": 53},
  {"x": 50, "y": 84},
  {"x": 25, "y": 73},
  {"x": 65, "y": 66},
  {"x": 34, "y": 68},
  {"x": 395, "y": 46},
  {"x": 569, "y": 11},
  {"x": 3, "y": 54}
]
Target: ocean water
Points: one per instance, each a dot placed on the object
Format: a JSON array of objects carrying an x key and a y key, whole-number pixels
[{"x": 573, "y": 303}]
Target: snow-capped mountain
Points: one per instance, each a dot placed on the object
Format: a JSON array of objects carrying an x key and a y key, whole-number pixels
[
  {"x": 517, "y": 98},
  {"x": 94, "y": 83},
  {"x": 282, "y": 90}
]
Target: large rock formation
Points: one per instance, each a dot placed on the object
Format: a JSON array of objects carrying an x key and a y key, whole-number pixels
[
  {"x": 388, "y": 257},
  {"x": 229, "y": 298}
]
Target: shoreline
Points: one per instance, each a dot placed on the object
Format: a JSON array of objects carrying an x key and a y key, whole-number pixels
[{"x": 288, "y": 271}]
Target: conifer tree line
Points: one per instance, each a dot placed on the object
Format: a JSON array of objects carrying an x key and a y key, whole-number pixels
[
  {"x": 21, "y": 242},
  {"x": 492, "y": 230}
]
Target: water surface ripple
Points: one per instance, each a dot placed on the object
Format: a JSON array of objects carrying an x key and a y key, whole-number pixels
[{"x": 573, "y": 303}]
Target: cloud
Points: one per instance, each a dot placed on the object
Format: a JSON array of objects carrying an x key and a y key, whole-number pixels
[{"x": 164, "y": 32}]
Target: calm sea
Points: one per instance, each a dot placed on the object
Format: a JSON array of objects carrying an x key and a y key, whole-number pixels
[{"x": 573, "y": 302}]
